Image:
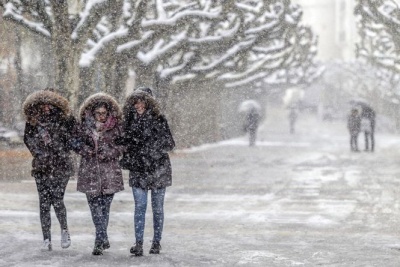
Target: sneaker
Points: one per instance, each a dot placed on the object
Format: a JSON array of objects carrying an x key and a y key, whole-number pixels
[
  {"x": 65, "y": 239},
  {"x": 137, "y": 249},
  {"x": 106, "y": 245},
  {"x": 155, "y": 248},
  {"x": 46, "y": 246},
  {"x": 98, "y": 248}
]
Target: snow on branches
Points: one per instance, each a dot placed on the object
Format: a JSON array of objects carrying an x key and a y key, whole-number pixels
[
  {"x": 236, "y": 42},
  {"x": 379, "y": 27},
  {"x": 379, "y": 45}
]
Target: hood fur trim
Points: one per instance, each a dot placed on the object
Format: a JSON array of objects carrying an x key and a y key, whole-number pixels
[
  {"x": 100, "y": 97},
  {"x": 44, "y": 97},
  {"x": 151, "y": 103}
]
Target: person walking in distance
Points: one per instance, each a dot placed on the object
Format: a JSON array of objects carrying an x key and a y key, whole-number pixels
[
  {"x": 354, "y": 126},
  {"x": 148, "y": 139},
  {"x": 368, "y": 114},
  {"x": 48, "y": 132},
  {"x": 100, "y": 175},
  {"x": 367, "y": 130},
  {"x": 251, "y": 124},
  {"x": 292, "y": 119}
]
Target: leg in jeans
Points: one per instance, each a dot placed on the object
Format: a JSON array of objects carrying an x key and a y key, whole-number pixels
[
  {"x": 96, "y": 205},
  {"x": 58, "y": 190},
  {"x": 352, "y": 142},
  {"x": 252, "y": 135},
  {"x": 372, "y": 140},
  {"x": 157, "y": 204},
  {"x": 366, "y": 136},
  {"x": 356, "y": 142},
  {"x": 140, "y": 197},
  {"x": 44, "y": 192}
]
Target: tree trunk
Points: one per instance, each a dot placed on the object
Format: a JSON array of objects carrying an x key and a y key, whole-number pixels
[
  {"x": 20, "y": 95},
  {"x": 162, "y": 88},
  {"x": 67, "y": 74},
  {"x": 120, "y": 76},
  {"x": 67, "y": 54},
  {"x": 145, "y": 76},
  {"x": 86, "y": 84}
]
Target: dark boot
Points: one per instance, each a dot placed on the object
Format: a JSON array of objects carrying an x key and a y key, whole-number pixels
[
  {"x": 137, "y": 249},
  {"x": 98, "y": 248},
  {"x": 155, "y": 248},
  {"x": 106, "y": 245}
]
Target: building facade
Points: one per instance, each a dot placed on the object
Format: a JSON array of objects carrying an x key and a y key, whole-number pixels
[{"x": 334, "y": 22}]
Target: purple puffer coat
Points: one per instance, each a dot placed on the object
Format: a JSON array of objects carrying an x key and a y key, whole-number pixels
[{"x": 99, "y": 170}]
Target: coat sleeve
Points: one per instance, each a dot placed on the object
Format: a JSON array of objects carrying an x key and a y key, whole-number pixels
[
  {"x": 163, "y": 139},
  {"x": 73, "y": 141},
  {"x": 80, "y": 142},
  {"x": 110, "y": 150},
  {"x": 30, "y": 141}
]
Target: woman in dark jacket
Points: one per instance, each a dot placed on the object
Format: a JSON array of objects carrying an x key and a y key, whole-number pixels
[
  {"x": 354, "y": 127},
  {"x": 100, "y": 175},
  {"x": 148, "y": 139},
  {"x": 48, "y": 133}
]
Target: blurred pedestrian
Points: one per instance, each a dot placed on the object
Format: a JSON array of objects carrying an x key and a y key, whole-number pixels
[
  {"x": 354, "y": 127},
  {"x": 100, "y": 175},
  {"x": 367, "y": 130},
  {"x": 292, "y": 119},
  {"x": 369, "y": 114},
  {"x": 148, "y": 140},
  {"x": 48, "y": 131},
  {"x": 251, "y": 124}
]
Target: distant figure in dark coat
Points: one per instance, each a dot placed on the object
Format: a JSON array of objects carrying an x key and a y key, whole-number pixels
[
  {"x": 354, "y": 127},
  {"x": 100, "y": 175},
  {"x": 251, "y": 124},
  {"x": 48, "y": 133},
  {"x": 147, "y": 139},
  {"x": 367, "y": 130},
  {"x": 368, "y": 113},
  {"x": 292, "y": 119}
]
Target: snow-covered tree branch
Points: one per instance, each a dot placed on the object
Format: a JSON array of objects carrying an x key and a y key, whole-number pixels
[
  {"x": 236, "y": 42},
  {"x": 379, "y": 27}
]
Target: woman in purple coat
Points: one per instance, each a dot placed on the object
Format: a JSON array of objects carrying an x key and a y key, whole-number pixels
[{"x": 99, "y": 176}]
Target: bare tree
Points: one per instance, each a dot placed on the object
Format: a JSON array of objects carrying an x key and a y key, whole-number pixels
[
  {"x": 379, "y": 27},
  {"x": 235, "y": 42}
]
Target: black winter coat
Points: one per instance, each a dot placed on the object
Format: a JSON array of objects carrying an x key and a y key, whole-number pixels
[
  {"x": 148, "y": 140},
  {"x": 51, "y": 153}
]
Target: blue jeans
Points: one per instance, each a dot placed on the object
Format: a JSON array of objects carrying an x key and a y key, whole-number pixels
[
  {"x": 157, "y": 204},
  {"x": 100, "y": 209}
]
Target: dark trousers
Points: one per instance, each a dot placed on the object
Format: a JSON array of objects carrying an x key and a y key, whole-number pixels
[
  {"x": 100, "y": 209},
  {"x": 51, "y": 191},
  {"x": 353, "y": 142},
  {"x": 292, "y": 123},
  {"x": 369, "y": 136},
  {"x": 252, "y": 136}
]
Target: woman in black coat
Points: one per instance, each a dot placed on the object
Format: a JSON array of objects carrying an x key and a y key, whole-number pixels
[
  {"x": 147, "y": 139},
  {"x": 48, "y": 133}
]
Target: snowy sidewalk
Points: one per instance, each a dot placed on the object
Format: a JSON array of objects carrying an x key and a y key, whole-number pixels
[{"x": 294, "y": 200}]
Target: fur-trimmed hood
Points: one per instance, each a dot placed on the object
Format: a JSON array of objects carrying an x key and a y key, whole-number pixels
[
  {"x": 30, "y": 106},
  {"x": 151, "y": 103},
  {"x": 88, "y": 104}
]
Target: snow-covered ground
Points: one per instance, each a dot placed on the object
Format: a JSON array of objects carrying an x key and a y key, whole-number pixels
[{"x": 293, "y": 200}]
